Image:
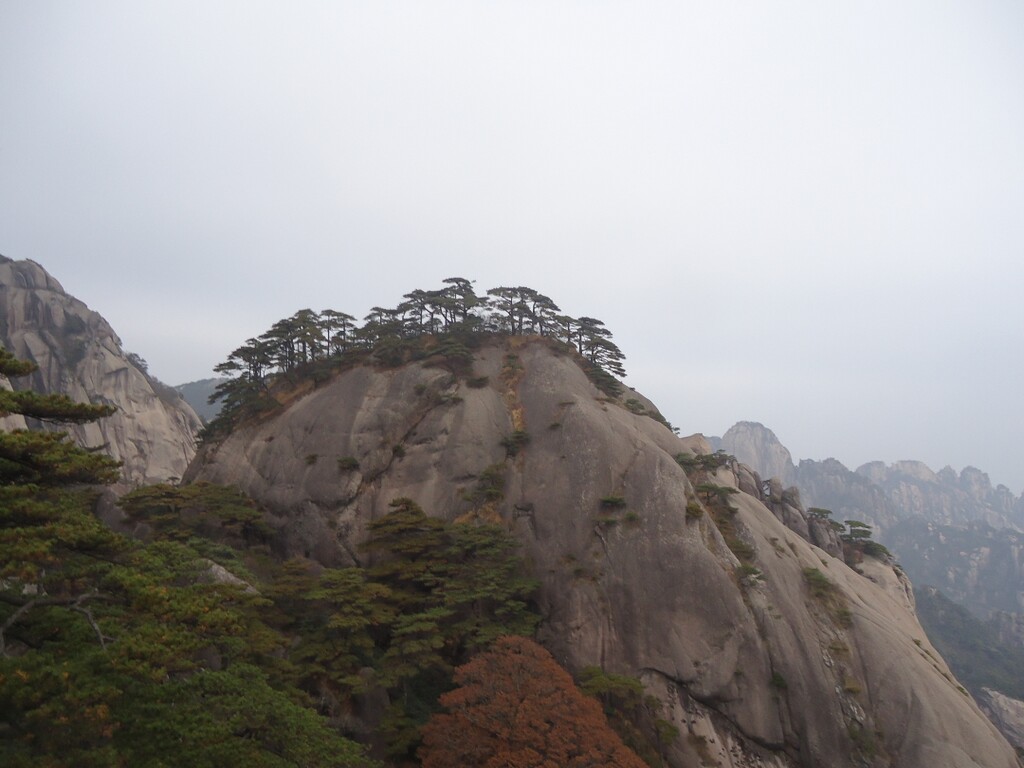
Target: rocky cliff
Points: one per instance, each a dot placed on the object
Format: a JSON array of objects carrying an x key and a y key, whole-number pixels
[
  {"x": 765, "y": 650},
  {"x": 154, "y": 430},
  {"x": 1006, "y": 713}
]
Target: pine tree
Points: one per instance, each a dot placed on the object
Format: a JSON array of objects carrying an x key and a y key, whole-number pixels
[{"x": 113, "y": 653}]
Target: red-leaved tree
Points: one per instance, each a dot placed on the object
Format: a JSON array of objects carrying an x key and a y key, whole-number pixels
[{"x": 515, "y": 707}]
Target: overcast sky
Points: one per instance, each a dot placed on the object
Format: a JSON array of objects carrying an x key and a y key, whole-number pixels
[{"x": 805, "y": 214}]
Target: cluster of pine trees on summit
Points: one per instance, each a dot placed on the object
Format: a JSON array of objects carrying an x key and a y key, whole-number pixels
[{"x": 448, "y": 322}]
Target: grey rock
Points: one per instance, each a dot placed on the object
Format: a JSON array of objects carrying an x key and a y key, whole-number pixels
[
  {"x": 757, "y": 446},
  {"x": 753, "y": 670},
  {"x": 1007, "y": 713},
  {"x": 153, "y": 431}
]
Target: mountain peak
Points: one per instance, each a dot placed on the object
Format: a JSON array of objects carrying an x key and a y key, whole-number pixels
[
  {"x": 77, "y": 353},
  {"x": 757, "y": 446}
]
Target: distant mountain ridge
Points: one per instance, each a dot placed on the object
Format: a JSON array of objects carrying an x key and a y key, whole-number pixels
[
  {"x": 877, "y": 493},
  {"x": 153, "y": 432},
  {"x": 197, "y": 394}
]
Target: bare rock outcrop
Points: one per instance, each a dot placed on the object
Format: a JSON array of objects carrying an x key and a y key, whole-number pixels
[
  {"x": 757, "y": 446},
  {"x": 1007, "y": 713},
  {"x": 78, "y": 354},
  {"x": 764, "y": 649}
]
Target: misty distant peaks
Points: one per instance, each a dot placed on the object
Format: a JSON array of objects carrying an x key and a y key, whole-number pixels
[
  {"x": 197, "y": 394},
  {"x": 757, "y": 446}
]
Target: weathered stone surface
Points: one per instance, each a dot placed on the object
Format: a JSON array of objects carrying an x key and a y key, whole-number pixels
[
  {"x": 153, "y": 432},
  {"x": 1006, "y": 713},
  {"x": 757, "y": 446},
  {"x": 752, "y": 667}
]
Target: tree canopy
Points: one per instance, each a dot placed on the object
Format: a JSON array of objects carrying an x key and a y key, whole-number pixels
[
  {"x": 117, "y": 653},
  {"x": 453, "y": 315},
  {"x": 514, "y": 705}
]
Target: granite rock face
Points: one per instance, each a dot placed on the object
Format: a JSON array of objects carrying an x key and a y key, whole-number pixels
[
  {"x": 787, "y": 659},
  {"x": 757, "y": 446},
  {"x": 1005, "y": 712},
  {"x": 78, "y": 354}
]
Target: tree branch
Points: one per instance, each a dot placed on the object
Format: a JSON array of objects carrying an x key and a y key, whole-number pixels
[{"x": 71, "y": 603}]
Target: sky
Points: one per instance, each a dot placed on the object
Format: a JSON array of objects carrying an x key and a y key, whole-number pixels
[{"x": 800, "y": 213}]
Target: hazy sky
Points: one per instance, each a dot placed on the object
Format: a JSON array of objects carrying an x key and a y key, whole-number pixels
[{"x": 805, "y": 214}]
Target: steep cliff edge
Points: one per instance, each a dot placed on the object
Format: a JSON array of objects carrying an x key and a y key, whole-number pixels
[
  {"x": 765, "y": 650},
  {"x": 153, "y": 431}
]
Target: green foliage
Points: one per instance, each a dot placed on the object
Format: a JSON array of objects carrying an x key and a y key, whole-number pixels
[
  {"x": 857, "y": 531},
  {"x": 694, "y": 510},
  {"x": 818, "y": 583},
  {"x": 876, "y": 550},
  {"x": 514, "y": 442},
  {"x": 828, "y": 594},
  {"x": 29, "y": 457},
  {"x": 707, "y": 462},
  {"x": 47, "y": 408},
  {"x": 202, "y": 511},
  {"x": 634, "y": 716},
  {"x": 748, "y": 571},
  {"x": 778, "y": 682},
  {"x": 726, "y": 523},
  {"x": 119, "y": 652},
  {"x": 857, "y": 541},
  {"x": 635, "y": 406},
  {"x": 863, "y": 740},
  {"x": 348, "y": 463},
  {"x": 490, "y": 486},
  {"x": 718, "y": 494},
  {"x": 687, "y": 460},
  {"x": 603, "y": 380},
  {"x": 439, "y": 327},
  {"x": 613, "y": 501},
  {"x": 433, "y": 594},
  {"x": 311, "y": 459}
]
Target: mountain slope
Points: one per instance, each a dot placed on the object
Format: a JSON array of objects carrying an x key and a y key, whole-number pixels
[
  {"x": 953, "y": 531},
  {"x": 764, "y": 649},
  {"x": 197, "y": 394},
  {"x": 79, "y": 355}
]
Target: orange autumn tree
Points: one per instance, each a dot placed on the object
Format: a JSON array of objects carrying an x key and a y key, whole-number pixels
[{"x": 515, "y": 706}]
